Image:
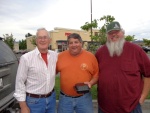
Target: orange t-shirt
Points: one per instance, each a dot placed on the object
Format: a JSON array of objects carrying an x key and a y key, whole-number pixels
[{"x": 76, "y": 69}]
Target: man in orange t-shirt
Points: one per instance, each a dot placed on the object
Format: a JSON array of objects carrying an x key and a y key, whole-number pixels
[{"x": 76, "y": 66}]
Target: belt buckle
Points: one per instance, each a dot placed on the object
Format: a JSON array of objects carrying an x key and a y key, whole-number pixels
[{"x": 45, "y": 95}]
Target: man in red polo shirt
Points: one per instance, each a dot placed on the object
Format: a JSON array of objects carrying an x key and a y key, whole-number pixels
[{"x": 124, "y": 78}]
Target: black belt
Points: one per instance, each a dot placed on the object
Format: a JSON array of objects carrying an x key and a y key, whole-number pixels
[
  {"x": 40, "y": 96},
  {"x": 70, "y": 96}
]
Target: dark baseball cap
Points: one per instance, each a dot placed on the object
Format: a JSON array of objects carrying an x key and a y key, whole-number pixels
[{"x": 113, "y": 26}]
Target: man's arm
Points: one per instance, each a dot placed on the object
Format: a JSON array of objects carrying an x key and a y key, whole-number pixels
[
  {"x": 24, "y": 107},
  {"x": 95, "y": 73},
  {"x": 20, "y": 92},
  {"x": 146, "y": 90},
  {"x": 92, "y": 82}
]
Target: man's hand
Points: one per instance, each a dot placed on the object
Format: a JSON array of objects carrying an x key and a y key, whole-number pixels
[
  {"x": 88, "y": 83},
  {"x": 141, "y": 101},
  {"x": 24, "y": 107},
  {"x": 25, "y": 110}
]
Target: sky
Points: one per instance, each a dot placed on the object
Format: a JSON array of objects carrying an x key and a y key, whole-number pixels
[{"x": 19, "y": 17}]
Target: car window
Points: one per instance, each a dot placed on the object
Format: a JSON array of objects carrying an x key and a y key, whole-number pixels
[{"x": 6, "y": 54}]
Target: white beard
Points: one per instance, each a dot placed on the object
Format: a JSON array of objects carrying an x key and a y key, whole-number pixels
[{"x": 115, "y": 48}]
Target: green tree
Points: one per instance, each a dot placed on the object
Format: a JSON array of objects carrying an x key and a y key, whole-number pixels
[
  {"x": 129, "y": 38},
  {"x": 87, "y": 26},
  {"x": 28, "y": 35},
  {"x": 22, "y": 44},
  {"x": 100, "y": 38},
  {"x": 9, "y": 40},
  {"x": 102, "y": 33},
  {"x": 146, "y": 42}
]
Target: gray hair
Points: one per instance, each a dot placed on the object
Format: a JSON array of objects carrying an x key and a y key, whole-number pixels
[{"x": 40, "y": 30}]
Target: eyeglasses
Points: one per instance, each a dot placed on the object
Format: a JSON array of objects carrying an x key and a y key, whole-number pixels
[{"x": 43, "y": 37}]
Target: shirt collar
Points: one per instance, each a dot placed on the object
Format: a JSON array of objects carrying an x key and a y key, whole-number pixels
[{"x": 37, "y": 52}]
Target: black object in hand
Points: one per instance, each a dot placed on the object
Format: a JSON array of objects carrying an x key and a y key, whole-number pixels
[{"x": 82, "y": 88}]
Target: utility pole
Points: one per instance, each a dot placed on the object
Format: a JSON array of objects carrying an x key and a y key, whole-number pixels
[{"x": 91, "y": 20}]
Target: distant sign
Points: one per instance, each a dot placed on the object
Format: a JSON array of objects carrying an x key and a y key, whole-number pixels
[{"x": 67, "y": 34}]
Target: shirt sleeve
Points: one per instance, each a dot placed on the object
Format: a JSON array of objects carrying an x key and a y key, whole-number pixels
[
  {"x": 20, "y": 88},
  {"x": 144, "y": 63}
]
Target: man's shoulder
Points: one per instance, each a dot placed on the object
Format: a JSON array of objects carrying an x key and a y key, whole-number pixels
[
  {"x": 88, "y": 53},
  {"x": 132, "y": 45},
  {"x": 102, "y": 48},
  {"x": 29, "y": 54}
]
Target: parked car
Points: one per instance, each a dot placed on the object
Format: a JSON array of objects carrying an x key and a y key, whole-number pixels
[
  {"x": 8, "y": 70},
  {"x": 146, "y": 49},
  {"x": 24, "y": 51}
]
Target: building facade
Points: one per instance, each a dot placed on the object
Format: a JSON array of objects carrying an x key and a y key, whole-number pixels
[
  {"x": 16, "y": 47},
  {"x": 59, "y": 38}
]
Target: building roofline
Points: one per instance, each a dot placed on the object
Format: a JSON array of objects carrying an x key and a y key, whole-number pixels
[{"x": 60, "y": 28}]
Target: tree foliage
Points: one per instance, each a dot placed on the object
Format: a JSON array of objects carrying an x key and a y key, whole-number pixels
[
  {"x": 102, "y": 33},
  {"x": 130, "y": 38},
  {"x": 87, "y": 26},
  {"x": 146, "y": 42},
  {"x": 28, "y": 35},
  {"x": 9, "y": 40},
  {"x": 22, "y": 44},
  {"x": 100, "y": 38}
]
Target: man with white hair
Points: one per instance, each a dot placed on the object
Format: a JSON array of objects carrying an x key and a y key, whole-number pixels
[
  {"x": 35, "y": 78},
  {"x": 124, "y": 78}
]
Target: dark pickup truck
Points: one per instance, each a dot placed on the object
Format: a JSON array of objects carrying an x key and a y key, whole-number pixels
[{"x": 8, "y": 70}]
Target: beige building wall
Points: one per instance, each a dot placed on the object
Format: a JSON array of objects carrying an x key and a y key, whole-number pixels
[
  {"x": 16, "y": 46},
  {"x": 60, "y": 34},
  {"x": 30, "y": 46}
]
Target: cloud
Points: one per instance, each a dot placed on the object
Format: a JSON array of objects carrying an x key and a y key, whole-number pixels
[{"x": 25, "y": 16}]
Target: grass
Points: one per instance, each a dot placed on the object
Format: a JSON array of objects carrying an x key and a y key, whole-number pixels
[
  {"x": 57, "y": 87},
  {"x": 148, "y": 97},
  {"x": 93, "y": 90}
]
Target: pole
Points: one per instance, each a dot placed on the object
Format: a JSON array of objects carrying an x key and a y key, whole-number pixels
[{"x": 91, "y": 21}]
